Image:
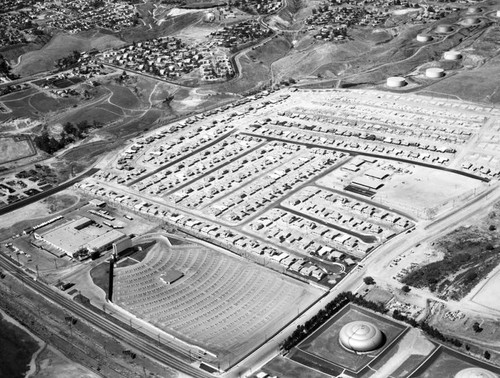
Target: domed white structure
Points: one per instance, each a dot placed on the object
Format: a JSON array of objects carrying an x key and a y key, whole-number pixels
[
  {"x": 424, "y": 38},
  {"x": 434, "y": 72},
  {"x": 396, "y": 82},
  {"x": 452, "y": 55},
  {"x": 209, "y": 17},
  {"x": 475, "y": 372},
  {"x": 498, "y": 13},
  {"x": 444, "y": 28},
  {"x": 361, "y": 337}
]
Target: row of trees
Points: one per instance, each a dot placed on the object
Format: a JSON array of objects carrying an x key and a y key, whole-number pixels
[
  {"x": 316, "y": 321},
  {"x": 5, "y": 69},
  {"x": 344, "y": 298}
]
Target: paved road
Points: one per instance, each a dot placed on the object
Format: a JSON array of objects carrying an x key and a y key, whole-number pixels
[
  {"x": 103, "y": 324},
  {"x": 49, "y": 192}
]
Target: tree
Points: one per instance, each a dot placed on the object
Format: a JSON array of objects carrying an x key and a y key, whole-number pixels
[
  {"x": 369, "y": 280},
  {"x": 487, "y": 355},
  {"x": 477, "y": 328},
  {"x": 406, "y": 289},
  {"x": 295, "y": 6}
]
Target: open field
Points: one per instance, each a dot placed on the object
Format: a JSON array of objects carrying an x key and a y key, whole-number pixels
[
  {"x": 324, "y": 343},
  {"x": 14, "y": 149},
  {"x": 16, "y": 349},
  {"x": 423, "y": 189},
  {"x": 39, "y": 211},
  {"x": 33, "y": 104},
  {"x": 287, "y": 368},
  {"x": 446, "y": 363},
  {"x": 489, "y": 295},
  {"x": 469, "y": 254},
  {"x": 123, "y": 97},
  {"x": 54, "y": 365},
  {"x": 239, "y": 305},
  {"x": 59, "y": 47},
  {"x": 404, "y": 357}
]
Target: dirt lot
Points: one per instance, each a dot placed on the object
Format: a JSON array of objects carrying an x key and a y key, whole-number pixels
[
  {"x": 11, "y": 149},
  {"x": 423, "y": 190}
]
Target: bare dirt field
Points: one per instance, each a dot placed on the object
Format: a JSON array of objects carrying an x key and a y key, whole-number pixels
[
  {"x": 446, "y": 364},
  {"x": 407, "y": 354},
  {"x": 426, "y": 189},
  {"x": 489, "y": 295},
  {"x": 42, "y": 209},
  {"x": 54, "y": 365},
  {"x": 11, "y": 149}
]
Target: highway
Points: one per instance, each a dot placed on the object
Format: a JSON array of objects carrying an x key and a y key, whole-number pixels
[{"x": 103, "y": 324}]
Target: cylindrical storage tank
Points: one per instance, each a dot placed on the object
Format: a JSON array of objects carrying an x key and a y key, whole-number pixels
[
  {"x": 475, "y": 372},
  {"x": 473, "y": 10},
  {"x": 444, "y": 28},
  {"x": 424, "y": 38},
  {"x": 498, "y": 13},
  {"x": 434, "y": 72},
  {"x": 471, "y": 21},
  {"x": 361, "y": 337},
  {"x": 396, "y": 82},
  {"x": 452, "y": 55}
]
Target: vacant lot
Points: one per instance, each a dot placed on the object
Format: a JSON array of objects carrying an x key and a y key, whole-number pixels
[
  {"x": 59, "y": 47},
  {"x": 446, "y": 363},
  {"x": 470, "y": 254},
  {"x": 14, "y": 149},
  {"x": 425, "y": 191}
]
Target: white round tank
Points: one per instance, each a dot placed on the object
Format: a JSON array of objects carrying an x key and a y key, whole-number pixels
[
  {"x": 424, "y": 38},
  {"x": 396, "y": 82},
  {"x": 498, "y": 13},
  {"x": 452, "y": 55},
  {"x": 473, "y": 10},
  {"x": 444, "y": 28},
  {"x": 434, "y": 72},
  {"x": 361, "y": 337},
  {"x": 471, "y": 21}
]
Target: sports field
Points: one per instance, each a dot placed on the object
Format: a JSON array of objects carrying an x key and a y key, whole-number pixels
[
  {"x": 224, "y": 304},
  {"x": 14, "y": 148}
]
